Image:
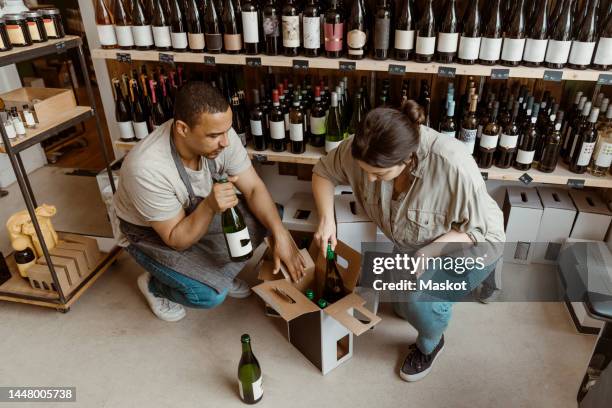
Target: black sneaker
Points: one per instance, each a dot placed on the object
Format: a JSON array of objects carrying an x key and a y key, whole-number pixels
[{"x": 417, "y": 365}]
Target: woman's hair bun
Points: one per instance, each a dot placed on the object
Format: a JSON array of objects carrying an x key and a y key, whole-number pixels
[{"x": 414, "y": 111}]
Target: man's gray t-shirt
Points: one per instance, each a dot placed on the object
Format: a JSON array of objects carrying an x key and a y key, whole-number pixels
[{"x": 150, "y": 188}]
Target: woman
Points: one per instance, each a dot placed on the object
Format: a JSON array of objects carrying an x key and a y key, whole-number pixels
[{"x": 418, "y": 187}]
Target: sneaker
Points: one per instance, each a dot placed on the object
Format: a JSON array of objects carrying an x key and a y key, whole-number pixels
[
  {"x": 417, "y": 365},
  {"x": 486, "y": 294},
  {"x": 239, "y": 290},
  {"x": 161, "y": 307}
]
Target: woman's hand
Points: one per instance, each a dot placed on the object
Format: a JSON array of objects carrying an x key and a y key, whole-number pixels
[{"x": 326, "y": 232}]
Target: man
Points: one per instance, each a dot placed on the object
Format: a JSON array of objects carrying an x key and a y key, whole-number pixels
[{"x": 169, "y": 207}]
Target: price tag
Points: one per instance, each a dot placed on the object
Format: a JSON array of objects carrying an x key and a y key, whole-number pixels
[
  {"x": 209, "y": 60},
  {"x": 60, "y": 46},
  {"x": 347, "y": 65},
  {"x": 554, "y": 76},
  {"x": 397, "y": 69},
  {"x": 485, "y": 175},
  {"x": 168, "y": 58},
  {"x": 124, "y": 57},
  {"x": 260, "y": 157},
  {"x": 446, "y": 72},
  {"x": 300, "y": 64},
  {"x": 526, "y": 178},
  {"x": 575, "y": 183},
  {"x": 604, "y": 79},
  {"x": 253, "y": 61},
  {"x": 500, "y": 73}
]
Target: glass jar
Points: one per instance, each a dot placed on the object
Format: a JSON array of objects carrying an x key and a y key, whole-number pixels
[
  {"x": 36, "y": 26},
  {"x": 5, "y": 43},
  {"x": 53, "y": 23},
  {"x": 17, "y": 30}
]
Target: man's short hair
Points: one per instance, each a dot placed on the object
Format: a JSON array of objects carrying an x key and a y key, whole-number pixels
[{"x": 195, "y": 98}]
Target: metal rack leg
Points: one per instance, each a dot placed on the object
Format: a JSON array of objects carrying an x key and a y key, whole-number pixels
[
  {"x": 92, "y": 101},
  {"x": 26, "y": 178}
]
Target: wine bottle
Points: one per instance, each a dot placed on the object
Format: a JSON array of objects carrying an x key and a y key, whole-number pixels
[
  {"x": 160, "y": 25},
  {"x": 291, "y": 29},
  {"x": 527, "y": 142},
  {"x": 258, "y": 126},
  {"x": 296, "y": 127},
  {"x": 195, "y": 27},
  {"x": 178, "y": 32},
  {"x": 469, "y": 126},
  {"x": 317, "y": 120},
  {"x": 271, "y": 28},
  {"x": 334, "y": 31},
  {"x": 357, "y": 30},
  {"x": 232, "y": 34},
  {"x": 357, "y": 117},
  {"x": 237, "y": 122},
  {"x": 236, "y": 233},
  {"x": 574, "y": 133},
  {"x": 603, "y": 54},
  {"x": 449, "y": 127},
  {"x": 537, "y": 40},
  {"x": 491, "y": 43},
  {"x": 560, "y": 41},
  {"x": 333, "y": 288},
  {"x": 552, "y": 146},
  {"x": 123, "y": 25},
  {"x": 426, "y": 35},
  {"x": 508, "y": 141},
  {"x": 382, "y": 30},
  {"x": 602, "y": 155},
  {"x": 277, "y": 124},
  {"x": 212, "y": 28},
  {"x": 311, "y": 22},
  {"x": 139, "y": 117},
  {"x": 158, "y": 117},
  {"x": 141, "y": 26},
  {"x": 448, "y": 36},
  {"x": 104, "y": 25},
  {"x": 404, "y": 32},
  {"x": 583, "y": 45},
  {"x": 123, "y": 114},
  {"x": 514, "y": 37},
  {"x": 489, "y": 139},
  {"x": 585, "y": 144},
  {"x": 250, "y": 27},
  {"x": 249, "y": 373},
  {"x": 555, "y": 13},
  {"x": 469, "y": 43},
  {"x": 334, "y": 133}
]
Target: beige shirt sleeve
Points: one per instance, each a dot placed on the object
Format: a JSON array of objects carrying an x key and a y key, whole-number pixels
[
  {"x": 484, "y": 219},
  {"x": 334, "y": 165}
]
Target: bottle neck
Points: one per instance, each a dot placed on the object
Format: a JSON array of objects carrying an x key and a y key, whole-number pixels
[{"x": 246, "y": 347}]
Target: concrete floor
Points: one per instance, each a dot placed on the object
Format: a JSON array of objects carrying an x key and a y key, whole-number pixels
[{"x": 118, "y": 354}]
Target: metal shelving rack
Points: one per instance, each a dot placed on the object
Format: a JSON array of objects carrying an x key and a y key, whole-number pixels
[{"x": 61, "y": 302}]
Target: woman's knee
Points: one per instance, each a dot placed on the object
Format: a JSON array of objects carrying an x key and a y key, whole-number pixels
[{"x": 204, "y": 297}]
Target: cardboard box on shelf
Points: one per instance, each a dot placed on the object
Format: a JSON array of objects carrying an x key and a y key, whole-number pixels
[
  {"x": 593, "y": 217},
  {"x": 522, "y": 214},
  {"x": 556, "y": 225},
  {"x": 82, "y": 243},
  {"x": 47, "y": 102},
  {"x": 40, "y": 278},
  {"x": 68, "y": 266},
  {"x": 78, "y": 257},
  {"x": 300, "y": 213}
]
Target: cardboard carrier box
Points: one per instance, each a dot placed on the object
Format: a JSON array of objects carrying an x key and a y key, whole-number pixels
[{"x": 323, "y": 336}]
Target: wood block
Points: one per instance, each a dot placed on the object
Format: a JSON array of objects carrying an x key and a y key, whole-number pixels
[
  {"x": 40, "y": 278},
  {"x": 78, "y": 256},
  {"x": 68, "y": 266},
  {"x": 92, "y": 251}
]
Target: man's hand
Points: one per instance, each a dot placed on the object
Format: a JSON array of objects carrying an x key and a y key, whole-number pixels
[
  {"x": 285, "y": 251},
  {"x": 222, "y": 196},
  {"x": 326, "y": 232}
]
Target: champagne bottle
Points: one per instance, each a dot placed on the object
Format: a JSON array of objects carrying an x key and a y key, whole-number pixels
[
  {"x": 426, "y": 35},
  {"x": 357, "y": 30},
  {"x": 537, "y": 41},
  {"x": 334, "y": 31},
  {"x": 123, "y": 114},
  {"x": 382, "y": 30},
  {"x": 333, "y": 288},
  {"x": 469, "y": 44},
  {"x": 552, "y": 146},
  {"x": 602, "y": 155},
  {"x": 334, "y": 133},
  {"x": 527, "y": 142},
  {"x": 104, "y": 25},
  {"x": 583, "y": 45},
  {"x": 123, "y": 25},
  {"x": 212, "y": 28},
  {"x": 291, "y": 29},
  {"x": 258, "y": 126},
  {"x": 585, "y": 145},
  {"x": 514, "y": 37},
  {"x": 160, "y": 25},
  {"x": 404, "y": 32},
  {"x": 277, "y": 124},
  {"x": 560, "y": 41},
  {"x": 311, "y": 22},
  {"x": 491, "y": 43},
  {"x": 178, "y": 33},
  {"x": 250, "y": 27},
  {"x": 271, "y": 28},
  {"x": 469, "y": 126},
  {"x": 296, "y": 127},
  {"x": 141, "y": 26},
  {"x": 449, "y": 34},
  {"x": 236, "y": 233},
  {"x": 195, "y": 27},
  {"x": 603, "y": 54},
  {"x": 232, "y": 34},
  {"x": 158, "y": 116},
  {"x": 508, "y": 141},
  {"x": 317, "y": 120},
  {"x": 249, "y": 373}
]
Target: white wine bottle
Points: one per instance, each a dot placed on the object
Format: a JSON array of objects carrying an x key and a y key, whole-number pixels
[
  {"x": 236, "y": 233},
  {"x": 249, "y": 374}
]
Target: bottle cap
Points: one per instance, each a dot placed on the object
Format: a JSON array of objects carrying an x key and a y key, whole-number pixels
[
  {"x": 334, "y": 99},
  {"x": 310, "y": 294},
  {"x": 317, "y": 92},
  {"x": 594, "y": 115},
  {"x": 245, "y": 338},
  {"x": 275, "y": 98},
  {"x": 586, "y": 109},
  {"x": 322, "y": 303}
]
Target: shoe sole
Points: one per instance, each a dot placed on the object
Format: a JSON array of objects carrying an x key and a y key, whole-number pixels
[
  {"x": 239, "y": 295},
  {"x": 144, "y": 292},
  {"x": 422, "y": 374}
]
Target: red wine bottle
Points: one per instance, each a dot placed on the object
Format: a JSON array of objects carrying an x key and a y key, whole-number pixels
[
  {"x": 277, "y": 124},
  {"x": 469, "y": 43},
  {"x": 404, "y": 32},
  {"x": 382, "y": 30},
  {"x": 258, "y": 125},
  {"x": 291, "y": 29},
  {"x": 448, "y": 36},
  {"x": 357, "y": 30},
  {"x": 537, "y": 41},
  {"x": 311, "y": 22},
  {"x": 334, "y": 31},
  {"x": 250, "y": 27},
  {"x": 583, "y": 45},
  {"x": 560, "y": 41},
  {"x": 514, "y": 37},
  {"x": 212, "y": 28},
  {"x": 491, "y": 43},
  {"x": 426, "y": 35}
]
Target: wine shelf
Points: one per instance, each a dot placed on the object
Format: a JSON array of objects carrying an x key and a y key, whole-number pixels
[
  {"x": 365, "y": 64},
  {"x": 561, "y": 175},
  {"x": 19, "y": 54}
]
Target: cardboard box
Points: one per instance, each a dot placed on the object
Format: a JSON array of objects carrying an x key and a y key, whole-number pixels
[
  {"x": 522, "y": 214},
  {"x": 353, "y": 226},
  {"x": 593, "y": 217},
  {"x": 47, "y": 102},
  {"x": 33, "y": 82},
  {"x": 300, "y": 213},
  {"x": 77, "y": 256},
  {"x": 83, "y": 243},
  {"x": 324, "y": 336},
  {"x": 556, "y": 224},
  {"x": 63, "y": 265},
  {"x": 40, "y": 278}
]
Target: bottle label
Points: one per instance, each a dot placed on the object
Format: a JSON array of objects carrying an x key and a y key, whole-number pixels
[
  {"x": 490, "y": 49},
  {"x": 604, "y": 155},
  {"x": 161, "y": 36},
  {"x": 488, "y": 141},
  {"x": 558, "y": 51},
  {"x": 291, "y": 31},
  {"x": 277, "y": 130},
  {"x": 468, "y": 136},
  {"x": 3, "y": 45},
  {"x": 29, "y": 118},
  {"x": 124, "y": 36},
  {"x": 603, "y": 56},
  {"x": 469, "y": 47},
  {"x": 179, "y": 40},
  {"x": 256, "y": 129},
  {"x": 447, "y": 42},
  {"x": 16, "y": 35},
  {"x": 106, "y": 34},
  {"x": 404, "y": 39},
  {"x": 256, "y": 387},
  {"x": 10, "y": 129},
  {"x": 382, "y": 29},
  {"x": 50, "y": 28},
  {"x": 451, "y": 134},
  {"x": 331, "y": 145},
  {"x": 296, "y": 132},
  {"x": 333, "y": 36},
  {"x": 525, "y": 157},
  {"x": 34, "y": 31},
  {"x": 232, "y": 42},
  {"x": 535, "y": 50},
  {"x": 270, "y": 26},
  {"x": 513, "y": 49},
  {"x": 140, "y": 130},
  {"x": 425, "y": 45},
  {"x": 196, "y": 41},
  {"x": 312, "y": 32},
  {"x": 585, "y": 154},
  {"x": 239, "y": 244},
  {"x": 249, "y": 25},
  {"x": 581, "y": 52},
  {"x": 143, "y": 37},
  {"x": 214, "y": 42},
  {"x": 19, "y": 128},
  {"x": 508, "y": 141},
  {"x": 126, "y": 130},
  {"x": 356, "y": 40},
  {"x": 317, "y": 125}
]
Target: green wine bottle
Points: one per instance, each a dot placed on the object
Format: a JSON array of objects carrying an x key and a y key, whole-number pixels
[
  {"x": 334, "y": 133},
  {"x": 249, "y": 374},
  {"x": 333, "y": 289},
  {"x": 310, "y": 295},
  {"x": 322, "y": 303},
  {"x": 236, "y": 233}
]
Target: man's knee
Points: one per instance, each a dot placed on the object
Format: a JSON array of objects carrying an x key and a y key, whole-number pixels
[{"x": 203, "y": 297}]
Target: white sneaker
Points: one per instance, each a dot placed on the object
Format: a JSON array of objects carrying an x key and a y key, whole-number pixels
[
  {"x": 161, "y": 307},
  {"x": 239, "y": 290}
]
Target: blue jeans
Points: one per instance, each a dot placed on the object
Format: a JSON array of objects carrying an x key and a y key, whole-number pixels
[
  {"x": 176, "y": 287},
  {"x": 430, "y": 318}
]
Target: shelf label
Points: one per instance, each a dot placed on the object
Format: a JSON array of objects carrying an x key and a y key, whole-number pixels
[
  {"x": 397, "y": 69},
  {"x": 347, "y": 65},
  {"x": 253, "y": 61},
  {"x": 60, "y": 46},
  {"x": 526, "y": 178},
  {"x": 209, "y": 60},
  {"x": 300, "y": 64},
  {"x": 485, "y": 175},
  {"x": 124, "y": 57},
  {"x": 446, "y": 72},
  {"x": 500, "y": 73},
  {"x": 554, "y": 76},
  {"x": 168, "y": 58},
  {"x": 575, "y": 183},
  {"x": 604, "y": 79},
  {"x": 260, "y": 157}
]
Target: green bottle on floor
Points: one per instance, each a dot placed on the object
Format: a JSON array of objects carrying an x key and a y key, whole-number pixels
[{"x": 249, "y": 374}]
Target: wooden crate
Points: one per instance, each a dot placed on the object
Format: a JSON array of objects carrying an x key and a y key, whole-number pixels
[{"x": 49, "y": 101}]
